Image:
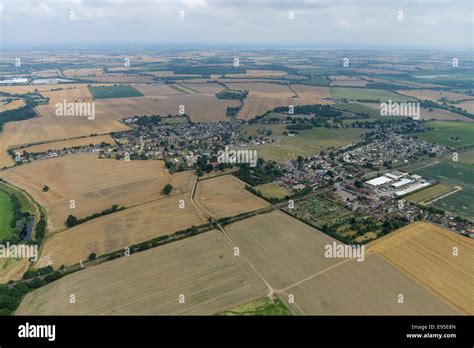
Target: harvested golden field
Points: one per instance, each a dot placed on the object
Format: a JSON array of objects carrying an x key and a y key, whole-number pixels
[
  {"x": 77, "y": 94},
  {"x": 226, "y": 196},
  {"x": 37, "y": 88},
  {"x": 94, "y": 184},
  {"x": 466, "y": 105},
  {"x": 204, "y": 88},
  {"x": 425, "y": 114},
  {"x": 442, "y": 115},
  {"x": 347, "y": 81},
  {"x": 121, "y": 78},
  {"x": 254, "y": 107},
  {"x": 12, "y": 269},
  {"x": 46, "y": 73},
  {"x": 200, "y": 107},
  {"x": 371, "y": 287},
  {"x": 168, "y": 73},
  {"x": 263, "y": 90},
  {"x": 428, "y": 94},
  {"x": 119, "y": 230},
  {"x": 259, "y": 73},
  {"x": 156, "y": 90},
  {"x": 15, "y": 104},
  {"x": 426, "y": 252},
  {"x": 283, "y": 249},
  {"x": 59, "y": 145},
  {"x": 312, "y": 94},
  {"x": 84, "y": 72},
  {"x": 49, "y": 127},
  {"x": 201, "y": 268}
]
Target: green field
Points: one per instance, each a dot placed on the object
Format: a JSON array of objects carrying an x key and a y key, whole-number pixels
[
  {"x": 456, "y": 173},
  {"x": 359, "y": 108},
  {"x": 429, "y": 193},
  {"x": 318, "y": 70},
  {"x": 317, "y": 81},
  {"x": 353, "y": 93},
  {"x": 26, "y": 205},
  {"x": 273, "y": 190},
  {"x": 450, "y": 134},
  {"x": 306, "y": 142},
  {"x": 461, "y": 202},
  {"x": 120, "y": 91},
  {"x": 6, "y": 216},
  {"x": 453, "y": 173},
  {"x": 262, "y": 306}
]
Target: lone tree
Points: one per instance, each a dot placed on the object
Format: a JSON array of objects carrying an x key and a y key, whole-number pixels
[
  {"x": 71, "y": 221},
  {"x": 92, "y": 256},
  {"x": 167, "y": 189},
  {"x": 45, "y": 188}
]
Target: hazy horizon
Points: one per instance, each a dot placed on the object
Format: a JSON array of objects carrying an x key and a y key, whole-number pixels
[{"x": 318, "y": 24}]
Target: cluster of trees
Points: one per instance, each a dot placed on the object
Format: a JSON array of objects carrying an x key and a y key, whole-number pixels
[
  {"x": 73, "y": 221},
  {"x": 19, "y": 221},
  {"x": 23, "y": 113},
  {"x": 167, "y": 189},
  {"x": 392, "y": 224},
  {"x": 298, "y": 126},
  {"x": 10, "y": 296},
  {"x": 232, "y": 94},
  {"x": 203, "y": 165},
  {"x": 432, "y": 105},
  {"x": 232, "y": 110},
  {"x": 316, "y": 109},
  {"x": 148, "y": 120},
  {"x": 262, "y": 173}
]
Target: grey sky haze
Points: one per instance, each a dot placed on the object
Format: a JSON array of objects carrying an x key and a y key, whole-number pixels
[{"x": 317, "y": 23}]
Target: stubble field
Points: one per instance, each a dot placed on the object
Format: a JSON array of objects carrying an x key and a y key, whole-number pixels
[
  {"x": 226, "y": 196},
  {"x": 120, "y": 229},
  {"x": 371, "y": 287},
  {"x": 201, "y": 268},
  {"x": 425, "y": 251},
  {"x": 283, "y": 249},
  {"x": 94, "y": 184}
]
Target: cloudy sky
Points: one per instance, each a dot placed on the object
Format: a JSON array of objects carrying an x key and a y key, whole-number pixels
[{"x": 265, "y": 23}]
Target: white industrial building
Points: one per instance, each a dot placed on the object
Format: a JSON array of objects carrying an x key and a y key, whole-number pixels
[
  {"x": 396, "y": 175},
  {"x": 401, "y": 183},
  {"x": 379, "y": 181}
]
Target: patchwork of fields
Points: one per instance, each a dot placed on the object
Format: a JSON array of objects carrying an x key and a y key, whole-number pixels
[
  {"x": 93, "y": 184},
  {"x": 202, "y": 269},
  {"x": 421, "y": 269}
]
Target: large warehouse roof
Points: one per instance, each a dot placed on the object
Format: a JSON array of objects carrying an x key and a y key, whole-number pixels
[
  {"x": 402, "y": 183},
  {"x": 378, "y": 181}
]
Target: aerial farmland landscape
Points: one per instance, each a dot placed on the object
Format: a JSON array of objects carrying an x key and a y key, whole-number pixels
[{"x": 211, "y": 170}]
